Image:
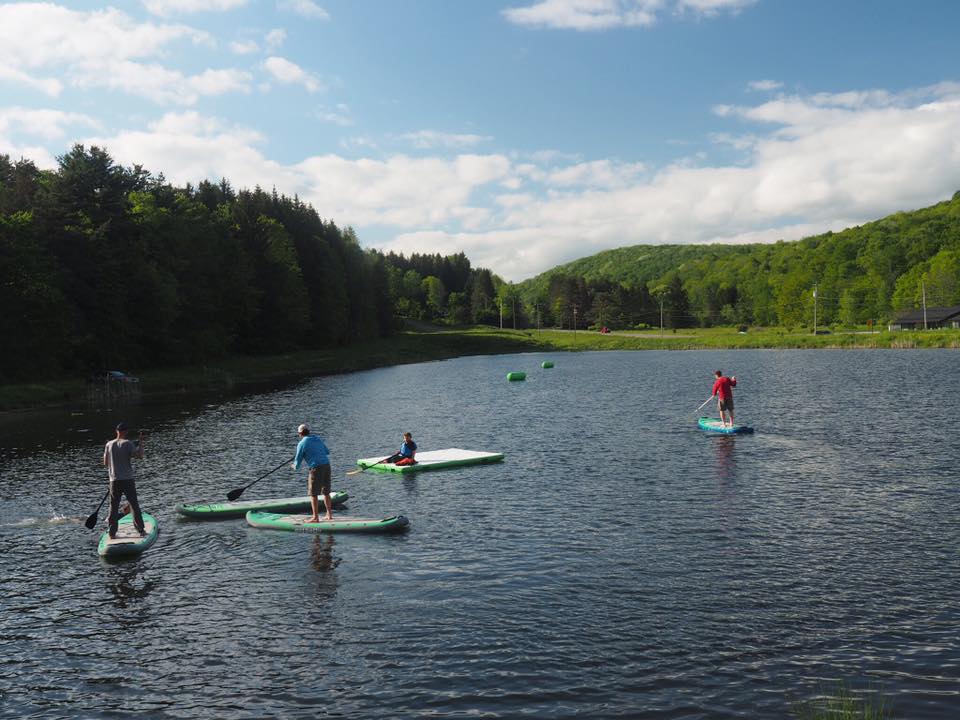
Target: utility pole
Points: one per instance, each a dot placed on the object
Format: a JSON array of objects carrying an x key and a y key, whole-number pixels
[
  {"x": 500, "y": 303},
  {"x": 661, "y": 315},
  {"x": 815, "y": 308},
  {"x": 923, "y": 290},
  {"x": 514, "y": 313},
  {"x": 574, "y": 322}
]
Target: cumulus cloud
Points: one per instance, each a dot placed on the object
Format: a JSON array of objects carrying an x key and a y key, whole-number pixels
[
  {"x": 587, "y": 15},
  {"x": 289, "y": 73},
  {"x": 173, "y": 7},
  {"x": 595, "y": 174},
  {"x": 43, "y": 123},
  {"x": 21, "y": 128},
  {"x": 47, "y": 46},
  {"x": 304, "y": 8}
]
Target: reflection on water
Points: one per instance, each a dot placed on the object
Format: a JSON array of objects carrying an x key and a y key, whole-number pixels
[
  {"x": 726, "y": 464},
  {"x": 323, "y": 562},
  {"x": 126, "y": 583}
]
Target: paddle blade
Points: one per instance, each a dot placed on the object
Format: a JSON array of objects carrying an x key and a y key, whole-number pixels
[
  {"x": 92, "y": 520},
  {"x": 235, "y": 493},
  {"x": 354, "y": 472}
]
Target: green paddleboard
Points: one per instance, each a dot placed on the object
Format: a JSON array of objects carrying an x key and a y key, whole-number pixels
[
  {"x": 128, "y": 541},
  {"x": 342, "y": 523},
  {"x": 239, "y": 508}
]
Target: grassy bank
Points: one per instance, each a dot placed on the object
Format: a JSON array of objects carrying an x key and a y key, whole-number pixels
[
  {"x": 426, "y": 343},
  {"x": 730, "y": 338}
]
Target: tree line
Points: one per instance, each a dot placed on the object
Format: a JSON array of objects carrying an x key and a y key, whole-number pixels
[
  {"x": 110, "y": 267},
  {"x": 106, "y": 267}
]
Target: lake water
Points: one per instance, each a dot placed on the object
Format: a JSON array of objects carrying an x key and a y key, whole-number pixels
[{"x": 618, "y": 563}]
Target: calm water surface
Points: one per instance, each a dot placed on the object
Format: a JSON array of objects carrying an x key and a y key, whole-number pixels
[{"x": 619, "y": 563}]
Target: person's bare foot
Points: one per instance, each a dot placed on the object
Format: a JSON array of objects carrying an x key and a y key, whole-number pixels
[
  {"x": 313, "y": 520},
  {"x": 329, "y": 517}
]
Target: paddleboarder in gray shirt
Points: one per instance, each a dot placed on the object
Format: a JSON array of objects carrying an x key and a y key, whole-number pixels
[{"x": 117, "y": 457}]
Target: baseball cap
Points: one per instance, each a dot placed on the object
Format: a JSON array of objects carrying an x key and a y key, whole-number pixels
[{"x": 121, "y": 427}]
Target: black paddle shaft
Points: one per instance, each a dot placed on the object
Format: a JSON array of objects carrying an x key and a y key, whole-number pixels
[{"x": 237, "y": 492}]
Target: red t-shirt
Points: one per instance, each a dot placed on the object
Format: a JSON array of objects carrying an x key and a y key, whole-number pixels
[{"x": 722, "y": 387}]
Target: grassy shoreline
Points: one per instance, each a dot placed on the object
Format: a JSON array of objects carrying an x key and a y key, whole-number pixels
[{"x": 440, "y": 343}]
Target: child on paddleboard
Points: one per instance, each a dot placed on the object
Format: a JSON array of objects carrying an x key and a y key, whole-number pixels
[{"x": 407, "y": 454}]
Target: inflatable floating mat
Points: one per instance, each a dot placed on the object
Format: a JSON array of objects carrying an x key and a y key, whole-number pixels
[{"x": 434, "y": 460}]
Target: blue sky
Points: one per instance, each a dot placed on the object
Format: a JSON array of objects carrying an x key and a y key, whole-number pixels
[{"x": 525, "y": 133}]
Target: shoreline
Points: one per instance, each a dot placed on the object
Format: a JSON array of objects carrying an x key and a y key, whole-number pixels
[{"x": 426, "y": 343}]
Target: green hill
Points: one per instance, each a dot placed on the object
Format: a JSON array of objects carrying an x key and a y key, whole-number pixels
[{"x": 861, "y": 275}]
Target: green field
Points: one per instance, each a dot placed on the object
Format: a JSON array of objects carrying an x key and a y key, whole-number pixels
[{"x": 440, "y": 342}]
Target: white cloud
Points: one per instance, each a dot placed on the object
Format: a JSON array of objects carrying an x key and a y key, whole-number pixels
[
  {"x": 304, "y": 8},
  {"x": 20, "y": 126},
  {"x": 164, "y": 86},
  {"x": 428, "y": 139},
  {"x": 339, "y": 115},
  {"x": 173, "y": 7},
  {"x": 596, "y": 174},
  {"x": 587, "y": 15},
  {"x": 289, "y": 73},
  {"x": 44, "y": 123},
  {"x": 46, "y": 85},
  {"x": 102, "y": 49},
  {"x": 764, "y": 85},
  {"x": 275, "y": 38},
  {"x": 244, "y": 47}
]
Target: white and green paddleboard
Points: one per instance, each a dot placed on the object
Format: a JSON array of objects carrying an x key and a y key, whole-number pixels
[
  {"x": 342, "y": 523},
  {"x": 434, "y": 460},
  {"x": 239, "y": 508},
  {"x": 128, "y": 541}
]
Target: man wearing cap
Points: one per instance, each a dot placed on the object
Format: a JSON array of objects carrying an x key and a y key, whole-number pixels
[
  {"x": 117, "y": 457},
  {"x": 313, "y": 451}
]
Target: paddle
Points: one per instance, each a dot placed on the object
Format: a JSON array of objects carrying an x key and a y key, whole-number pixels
[
  {"x": 364, "y": 467},
  {"x": 237, "y": 492},
  {"x": 704, "y": 403},
  {"x": 92, "y": 520}
]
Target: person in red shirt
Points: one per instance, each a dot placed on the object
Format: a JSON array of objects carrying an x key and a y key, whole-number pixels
[{"x": 723, "y": 391}]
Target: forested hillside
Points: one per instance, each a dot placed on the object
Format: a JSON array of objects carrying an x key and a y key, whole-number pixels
[
  {"x": 861, "y": 275},
  {"x": 105, "y": 267}
]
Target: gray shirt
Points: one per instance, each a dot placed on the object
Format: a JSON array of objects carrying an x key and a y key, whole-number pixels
[{"x": 118, "y": 456}]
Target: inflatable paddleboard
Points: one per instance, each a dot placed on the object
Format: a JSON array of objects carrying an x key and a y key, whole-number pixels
[
  {"x": 239, "y": 508},
  {"x": 128, "y": 541},
  {"x": 341, "y": 523},
  {"x": 434, "y": 460},
  {"x": 715, "y": 426}
]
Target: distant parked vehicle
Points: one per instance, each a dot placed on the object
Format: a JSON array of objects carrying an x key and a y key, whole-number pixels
[
  {"x": 604, "y": 329},
  {"x": 121, "y": 376}
]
